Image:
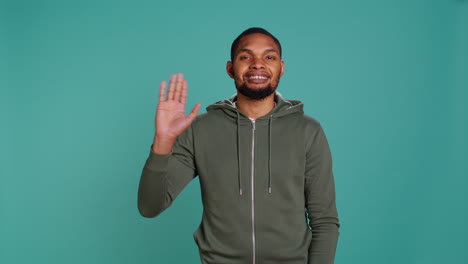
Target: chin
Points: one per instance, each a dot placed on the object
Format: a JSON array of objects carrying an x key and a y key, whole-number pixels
[{"x": 257, "y": 93}]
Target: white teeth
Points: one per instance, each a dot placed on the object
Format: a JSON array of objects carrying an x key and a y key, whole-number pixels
[{"x": 258, "y": 77}]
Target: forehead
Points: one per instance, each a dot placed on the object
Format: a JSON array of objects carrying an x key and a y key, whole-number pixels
[{"x": 257, "y": 42}]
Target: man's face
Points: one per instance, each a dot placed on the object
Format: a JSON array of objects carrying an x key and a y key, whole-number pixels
[{"x": 256, "y": 67}]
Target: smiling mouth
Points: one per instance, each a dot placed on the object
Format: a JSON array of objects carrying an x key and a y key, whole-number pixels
[{"x": 257, "y": 77}]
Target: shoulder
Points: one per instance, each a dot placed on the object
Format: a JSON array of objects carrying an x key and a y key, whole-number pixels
[
  {"x": 208, "y": 117},
  {"x": 308, "y": 123},
  {"x": 212, "y": 119},
  {"x": 201, "y": 118}
]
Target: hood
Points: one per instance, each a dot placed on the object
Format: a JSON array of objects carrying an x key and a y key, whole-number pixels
[{"x": 283, "y": 108}]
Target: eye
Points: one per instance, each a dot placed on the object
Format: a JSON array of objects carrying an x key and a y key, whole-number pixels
[
  {"x": 270, "y": 57},
  {"x": 244, "y": 57}
]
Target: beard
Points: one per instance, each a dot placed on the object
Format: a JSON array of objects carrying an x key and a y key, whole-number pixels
[{"x": 256, "y": 94}]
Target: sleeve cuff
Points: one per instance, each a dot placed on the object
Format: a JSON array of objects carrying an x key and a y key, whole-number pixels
[{"x": 157, "y": 162}]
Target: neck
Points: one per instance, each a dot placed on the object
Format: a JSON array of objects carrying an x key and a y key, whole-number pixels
[{"x": 255, "y": 108}]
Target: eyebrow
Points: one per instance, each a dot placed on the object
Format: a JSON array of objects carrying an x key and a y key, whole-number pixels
[{"x": 267, "y": 50}]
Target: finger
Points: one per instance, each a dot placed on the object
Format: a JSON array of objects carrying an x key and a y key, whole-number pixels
[
  {"x": 194, "y": 112},
  {"x": 162, "y": 91},
  {"x": 178, "y": 87},
  {"x": 183, "y": 96},
  {"x": 170, "y": 92}
]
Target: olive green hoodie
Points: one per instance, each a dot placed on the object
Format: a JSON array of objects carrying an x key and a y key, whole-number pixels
[{"x": 261, "y": 181}]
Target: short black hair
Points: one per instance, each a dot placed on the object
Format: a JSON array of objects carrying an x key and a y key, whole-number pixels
[{"x": 253, "y": 30}]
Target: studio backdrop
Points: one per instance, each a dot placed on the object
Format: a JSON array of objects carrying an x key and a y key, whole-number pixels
[{"x": 388, "y": 81}]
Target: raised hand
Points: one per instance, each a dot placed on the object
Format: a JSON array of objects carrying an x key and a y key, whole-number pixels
[{"x": 171, "y": 120}]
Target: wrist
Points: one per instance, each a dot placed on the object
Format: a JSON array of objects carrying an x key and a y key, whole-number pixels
[{"x": 162, "y": 145}]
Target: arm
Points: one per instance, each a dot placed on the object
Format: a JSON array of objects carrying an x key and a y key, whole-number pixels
[
  {"x": 320, "y": 201},
  {"x": 169, "y": 167}
]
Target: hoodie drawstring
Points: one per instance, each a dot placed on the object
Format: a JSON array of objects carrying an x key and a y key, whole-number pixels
[
  {"x": 269, "y": 152},
  {"x": 285, "y": 107},
  {"x": 239, "y": 167}
]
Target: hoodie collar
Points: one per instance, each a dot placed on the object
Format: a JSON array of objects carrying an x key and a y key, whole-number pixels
[{"x": 283, "y": 107}]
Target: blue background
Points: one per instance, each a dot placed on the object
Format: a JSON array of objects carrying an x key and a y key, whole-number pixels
[{"x": 79, "y": 80}]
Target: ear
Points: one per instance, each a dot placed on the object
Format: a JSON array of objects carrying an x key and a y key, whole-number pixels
[
  {"x": 282, "y": 68},
  {"x": 229, "y": 69}
]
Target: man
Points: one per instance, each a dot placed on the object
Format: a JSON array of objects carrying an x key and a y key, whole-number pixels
[{"x": 264, "y": 166}]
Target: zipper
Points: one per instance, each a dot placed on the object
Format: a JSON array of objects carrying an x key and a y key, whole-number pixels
[{"x": 252, "y": 190}]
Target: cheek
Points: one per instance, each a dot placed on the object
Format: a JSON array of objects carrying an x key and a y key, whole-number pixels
[
  {"x": 278, "y": 72},
  {"x": 237, "y": 75},
  {"x": 237, "y": 78},
  {"x": 240, "y": 69}
]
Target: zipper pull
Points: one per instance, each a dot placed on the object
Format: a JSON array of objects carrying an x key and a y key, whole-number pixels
[{"x": 253, "y": 124}]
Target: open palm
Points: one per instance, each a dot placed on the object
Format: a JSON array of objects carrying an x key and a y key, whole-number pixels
[{"x": 171, "y": 120}]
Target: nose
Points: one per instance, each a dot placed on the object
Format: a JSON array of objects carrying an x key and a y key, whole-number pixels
[{"x": 257, "y": 64}]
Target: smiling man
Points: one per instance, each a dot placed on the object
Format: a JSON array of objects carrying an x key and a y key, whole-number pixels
[{"x": 264, "y": 166}]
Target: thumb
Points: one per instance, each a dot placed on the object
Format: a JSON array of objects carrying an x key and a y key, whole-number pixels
[{"x": 194, "y": 111}]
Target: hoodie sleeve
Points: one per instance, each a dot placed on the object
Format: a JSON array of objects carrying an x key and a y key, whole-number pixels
[
  {"x": 164, "y": 176},
  {"x": 320, "y": 201}
]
